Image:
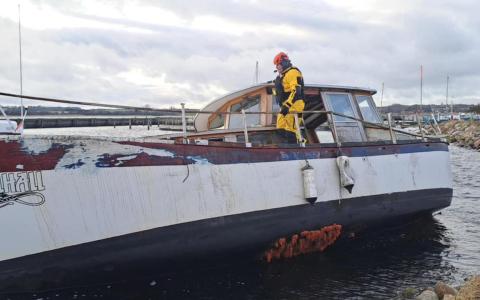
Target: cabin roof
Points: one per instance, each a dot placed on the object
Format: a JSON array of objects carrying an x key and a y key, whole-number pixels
[{"x": 216, "y": 104}]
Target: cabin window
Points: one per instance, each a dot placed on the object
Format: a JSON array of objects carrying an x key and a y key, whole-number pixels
[
  {"x": 275, "y": 108},
  {"x": 367, "y": 108},
  {"x": 348, "y": 130},
  {"x": 340, "y": 103},
  {"x": 324, "y": 135},
  {"x": 218, "y": 122},
  {"x": 249, "y": 105}
]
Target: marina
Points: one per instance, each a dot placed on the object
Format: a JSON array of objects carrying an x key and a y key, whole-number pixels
[{"x": 159, "y": 122}]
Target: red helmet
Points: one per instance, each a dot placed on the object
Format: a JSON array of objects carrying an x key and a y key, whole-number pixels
[{"x": 280, "y": 57}]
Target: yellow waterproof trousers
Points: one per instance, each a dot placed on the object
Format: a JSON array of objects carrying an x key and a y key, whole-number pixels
[{"x": 288, "y": 122}]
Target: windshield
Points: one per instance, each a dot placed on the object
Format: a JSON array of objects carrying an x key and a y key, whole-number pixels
[
  {"x": 367, "y": 109},
  {"x": 249, "y": 105}
]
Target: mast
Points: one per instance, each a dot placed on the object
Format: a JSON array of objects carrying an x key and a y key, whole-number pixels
[
  {"x": 421, "y": 88},
  {"x": 381, "y": 98},
  {"x": 256, "y": 72},
  {"x": 446, "y": 97},
  {"x": 20, "y": 54},
  {"x": 451, "y": 108}
]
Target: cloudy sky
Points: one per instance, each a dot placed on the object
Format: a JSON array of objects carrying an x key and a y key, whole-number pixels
[{"x": 162, "y": 53}]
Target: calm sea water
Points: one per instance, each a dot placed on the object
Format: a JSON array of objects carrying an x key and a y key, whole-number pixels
[{"x": 375, "y": 265}]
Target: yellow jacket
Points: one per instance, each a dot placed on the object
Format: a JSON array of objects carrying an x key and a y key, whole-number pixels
[
  {"x": 289, "y": 93},
  {"x": 292, "y": 82}
]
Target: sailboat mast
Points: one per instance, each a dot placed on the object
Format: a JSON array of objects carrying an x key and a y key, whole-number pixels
[
  {"x": 381, "y": 98},
  {"x": 446, "y": 99},
  {"x": 20, "y": 53},
  {"x": 256, "y": 72},
  {"x": 421, "y": 88}
]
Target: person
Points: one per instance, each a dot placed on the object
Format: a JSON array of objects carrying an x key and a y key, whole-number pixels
[{"x": 289, "y": 95}]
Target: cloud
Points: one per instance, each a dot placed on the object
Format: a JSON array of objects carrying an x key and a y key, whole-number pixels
[{"x": 162, "y": 53}]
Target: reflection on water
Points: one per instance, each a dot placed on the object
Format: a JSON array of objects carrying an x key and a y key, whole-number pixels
[{"x": 374, "y": 265}]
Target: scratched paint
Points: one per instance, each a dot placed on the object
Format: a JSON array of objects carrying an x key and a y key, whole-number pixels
[
  {"x": 98, "y": 153},
  {"x": 303, "y": 243},
  {"x": 90, "y": 153},
  {"x": 36, "y": 146}
]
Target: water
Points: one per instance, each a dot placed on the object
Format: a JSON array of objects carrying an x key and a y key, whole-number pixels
[{"x": 374, "y": 265}]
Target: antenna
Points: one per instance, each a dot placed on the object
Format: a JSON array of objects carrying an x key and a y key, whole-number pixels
[
  {"x": 451, "y": 108},
  {"x": 381, "y": 98},
  {"x": 20, "y": 52},
  {"x": 446, "y": 97},
  {"x": 256, "y": 72},
  {"x": 421, "y": 88}
]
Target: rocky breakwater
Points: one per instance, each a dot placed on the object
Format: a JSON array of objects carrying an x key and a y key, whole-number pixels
[
  {"x": 462, "y": 133},
  {"x": 469, "y": 291}
]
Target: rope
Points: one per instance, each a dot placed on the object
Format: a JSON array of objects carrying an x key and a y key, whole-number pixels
[
  {"x": 64, "y": 101},
  {"x": 11, "y": 199}
]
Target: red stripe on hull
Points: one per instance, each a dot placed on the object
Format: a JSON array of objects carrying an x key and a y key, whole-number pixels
[{"x": 12, "y": 155}]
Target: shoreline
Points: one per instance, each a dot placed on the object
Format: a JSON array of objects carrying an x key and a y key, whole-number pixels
[
  {"x": 470, "y": 290},
  {"x": 461, "y": 133}
]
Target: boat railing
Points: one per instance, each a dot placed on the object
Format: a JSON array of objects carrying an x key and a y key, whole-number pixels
[
  {"x": 244, "y": 113},
  {"x": 390, "y": 127}
]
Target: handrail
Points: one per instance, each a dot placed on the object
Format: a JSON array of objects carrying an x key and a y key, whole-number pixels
[{"x": 64, "y": 101}]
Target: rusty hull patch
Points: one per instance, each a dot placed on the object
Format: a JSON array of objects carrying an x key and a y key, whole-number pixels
[{"x": 305, "y": 242}]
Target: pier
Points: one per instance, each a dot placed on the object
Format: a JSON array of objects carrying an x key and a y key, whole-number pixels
[{"x": 53, "y": 121}]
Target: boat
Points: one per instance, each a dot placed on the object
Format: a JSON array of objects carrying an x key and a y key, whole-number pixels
[{"x": 232, "y": 186}]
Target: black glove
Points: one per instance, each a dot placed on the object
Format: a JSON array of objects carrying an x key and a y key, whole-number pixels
[{"x": 284, "y": 110}]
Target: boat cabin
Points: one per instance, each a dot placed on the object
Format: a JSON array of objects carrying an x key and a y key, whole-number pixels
[
  {"x": 8, "y": 127},
  {"x": 333, "y": 114}
]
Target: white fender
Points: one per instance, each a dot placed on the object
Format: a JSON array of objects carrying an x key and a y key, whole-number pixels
[
  {"x": 346, "y": 177},
  {"x": 309, "y": 188}
]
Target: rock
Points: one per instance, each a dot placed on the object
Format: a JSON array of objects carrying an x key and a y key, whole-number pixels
[
  {"x": 471, "y": 129},
  {"x": 449, "y": 297},
  {"x": 442, "y": 289},
  {"x": 463, "y": 133},
  {"x": 456, "y": 132},
  {"x": 476, "y": 144},
  {"x": 408, "y": 293},
  {"x": 427, "y": 295},
  {"x": 471, "y": 290},
  {"x": 471, "y": 142}
]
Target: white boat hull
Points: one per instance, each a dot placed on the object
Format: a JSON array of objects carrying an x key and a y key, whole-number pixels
[{"x": 86, "y": 203}]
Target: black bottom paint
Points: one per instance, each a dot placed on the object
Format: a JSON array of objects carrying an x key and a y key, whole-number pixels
[{"x": 207, "y": 241}]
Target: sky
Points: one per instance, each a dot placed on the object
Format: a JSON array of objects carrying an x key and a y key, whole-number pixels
[{"x": 162, "y": 53}]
